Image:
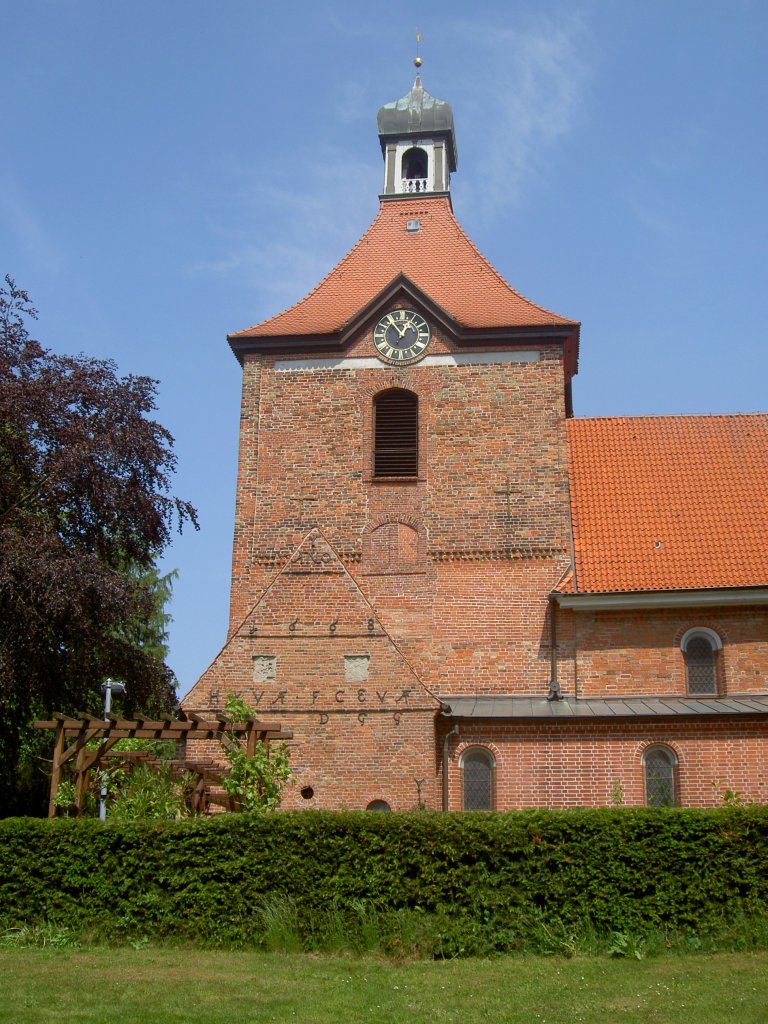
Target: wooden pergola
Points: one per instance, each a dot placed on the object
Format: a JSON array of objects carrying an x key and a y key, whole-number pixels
[{"x": 75, "y": 733}]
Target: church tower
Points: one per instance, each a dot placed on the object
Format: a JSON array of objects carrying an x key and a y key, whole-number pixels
[
  {"x": 402, "y": 499},
  {"x": 418, "y": 143}
]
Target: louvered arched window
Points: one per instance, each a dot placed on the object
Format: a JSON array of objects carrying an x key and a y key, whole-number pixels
[{"x": 396, "y": 433}]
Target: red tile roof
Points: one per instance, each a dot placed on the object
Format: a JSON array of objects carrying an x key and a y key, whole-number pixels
[
  {"x": 440, "y": 259},
  {"x": 669, "y": 502}
]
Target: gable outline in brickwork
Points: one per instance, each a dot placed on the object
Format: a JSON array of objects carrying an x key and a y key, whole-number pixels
[{"x": 305, "y": 601}]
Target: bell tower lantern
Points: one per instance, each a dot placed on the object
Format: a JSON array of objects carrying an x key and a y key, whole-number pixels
[{"x": 418, "y": 143}]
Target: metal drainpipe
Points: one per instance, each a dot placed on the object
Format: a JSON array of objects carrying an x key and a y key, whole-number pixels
[
  {"x": 553, "y": 640},
  {"x": 454, "y": 732}
]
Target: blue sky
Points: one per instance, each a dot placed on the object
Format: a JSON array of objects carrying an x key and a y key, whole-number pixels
[{"x": 171, "y": 172}]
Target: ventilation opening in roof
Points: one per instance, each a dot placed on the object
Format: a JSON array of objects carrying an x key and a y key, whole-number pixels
[{"x": 396, "y": 434}]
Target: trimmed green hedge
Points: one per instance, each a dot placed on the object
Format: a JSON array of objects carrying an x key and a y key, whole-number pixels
[{"x": 204, "y": 879}]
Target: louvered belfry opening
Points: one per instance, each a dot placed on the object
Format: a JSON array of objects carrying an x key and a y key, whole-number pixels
[
  {"x": 396, "y": 434},
  {"x": 415, "y": 163}
]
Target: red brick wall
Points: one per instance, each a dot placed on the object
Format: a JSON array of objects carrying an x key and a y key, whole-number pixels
[
  {"x": 574, "y": 765},
  {"x": 638, "y": 652},
  {"x": 306, "y": 459},
  {"x": 314, "y": 657},
  {"x": 352, "y": 757}
]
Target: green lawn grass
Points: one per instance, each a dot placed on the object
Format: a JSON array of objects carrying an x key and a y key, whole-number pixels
[{"x": 162, "y": 986}]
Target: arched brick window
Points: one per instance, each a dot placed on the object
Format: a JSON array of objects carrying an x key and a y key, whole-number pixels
[
  {"x": 378, "y": 805},
  {"x": 477, "y": 767},
  {"x": 660, "y": 766},
  {"x": 699, "y": 647},
  {"x": 394, "y": 544},
  {"x": 396, "y": 433}
]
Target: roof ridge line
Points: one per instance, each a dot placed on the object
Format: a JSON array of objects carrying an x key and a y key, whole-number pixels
[
  {"x": 655, "y": 417},
  {"x": 542, "y": 309}
]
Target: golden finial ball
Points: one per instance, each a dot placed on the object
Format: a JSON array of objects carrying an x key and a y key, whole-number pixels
[{"x": 418, "y": 61}]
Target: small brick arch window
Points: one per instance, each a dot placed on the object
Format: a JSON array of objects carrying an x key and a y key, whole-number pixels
[
  {"x": 378, "y": 805},
  {"x": 396, "y": 433},
  {"x": 699, "y": 647},
  {"x": 477, "y": 769},
  {"x": 660, "y": 769}
]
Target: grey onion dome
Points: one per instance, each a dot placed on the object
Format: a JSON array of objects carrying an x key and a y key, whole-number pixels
[{"x": 418, "y": 113}]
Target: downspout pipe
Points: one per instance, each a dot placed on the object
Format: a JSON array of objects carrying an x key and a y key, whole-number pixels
[
  {"x": 453, "y": 732},
  {"x": 553, "y": 640},
  {"x": 554, "y": 685}
]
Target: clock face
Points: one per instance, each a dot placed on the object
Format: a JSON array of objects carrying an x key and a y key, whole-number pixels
[{"x": 401, "y": 336}]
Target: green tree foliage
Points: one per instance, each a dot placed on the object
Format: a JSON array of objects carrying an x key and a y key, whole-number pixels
[
  {"x": 150, "y": 632},
  {"x": 85, "y": 511},
  {"x": 255, "y": 782}
]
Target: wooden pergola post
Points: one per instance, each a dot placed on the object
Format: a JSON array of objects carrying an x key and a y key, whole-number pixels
[{"x": 58, "y": 751}]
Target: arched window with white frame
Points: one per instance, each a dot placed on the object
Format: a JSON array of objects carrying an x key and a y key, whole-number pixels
[
  {"x": 700, "y": 646},
  {"x": 660, "y": 771},
  {"x": 477, "y": 771}
]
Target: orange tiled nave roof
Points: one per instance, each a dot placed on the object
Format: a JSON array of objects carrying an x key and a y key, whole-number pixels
[
  {"x": 439, "y": 259},
  {"x": 669, "y": 502}
]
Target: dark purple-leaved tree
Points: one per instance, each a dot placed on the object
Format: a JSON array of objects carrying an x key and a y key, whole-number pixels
[{"x": 85, "y": 510}]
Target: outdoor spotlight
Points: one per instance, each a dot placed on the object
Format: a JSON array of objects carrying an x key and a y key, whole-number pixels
[{"x": 112, "y": 686}]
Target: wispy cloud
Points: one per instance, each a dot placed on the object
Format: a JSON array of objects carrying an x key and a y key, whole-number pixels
[
  {"x": 279, "y": 240},
  {"x": 524, "y": 103},
  {"x": 25, "y": 231}
]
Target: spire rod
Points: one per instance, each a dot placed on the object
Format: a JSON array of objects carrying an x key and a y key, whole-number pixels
[{"x": 417, "y": 59}]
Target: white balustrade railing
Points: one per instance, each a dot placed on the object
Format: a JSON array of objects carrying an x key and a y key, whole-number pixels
[{"x": 414, "y": 185}]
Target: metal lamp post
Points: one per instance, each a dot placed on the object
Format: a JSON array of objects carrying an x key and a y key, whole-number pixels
[{"x": 108, "y": 687}]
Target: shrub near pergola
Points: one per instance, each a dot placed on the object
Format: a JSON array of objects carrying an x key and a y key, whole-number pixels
[{"x": 246, "y": 745}]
